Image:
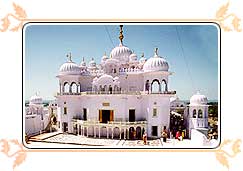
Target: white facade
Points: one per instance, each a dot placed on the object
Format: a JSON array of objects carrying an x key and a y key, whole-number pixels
[
  {"x": 121, "y": 97},
  {"x": 122, "y": 89},
  {"x": 198, "y": 112},
  {"x": 36, "y": 117}
]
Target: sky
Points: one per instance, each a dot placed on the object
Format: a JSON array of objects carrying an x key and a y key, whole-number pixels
[{"x": 191, "y": 51}]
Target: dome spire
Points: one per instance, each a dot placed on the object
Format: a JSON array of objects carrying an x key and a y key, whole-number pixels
[
  {"x": 69, "y": 56},
  {"x": 121, "y": 35},
  {"x": 142, "y": 55},
  {"x": 156, "y": 51}
]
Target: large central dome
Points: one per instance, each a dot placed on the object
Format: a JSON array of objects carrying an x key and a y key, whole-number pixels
[{"x": 121, "y": 53}]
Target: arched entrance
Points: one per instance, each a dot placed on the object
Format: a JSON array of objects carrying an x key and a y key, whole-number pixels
[
  {"x": 116, "y": 133},
  {"x": 131, "y": 133},
  {"x": 74, "y": 87},
  {"x": 155, "y": 86},
  {"x": 164, "y": 86},
  {"x": 139, "y": 133},
  {"x": 66, "y": 87}
]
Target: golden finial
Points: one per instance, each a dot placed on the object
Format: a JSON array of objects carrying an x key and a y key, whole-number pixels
[
  {"x": 156, "y": 51},
  {"x": 69, "y": 56},
  {"x": 121, "y": 35}
]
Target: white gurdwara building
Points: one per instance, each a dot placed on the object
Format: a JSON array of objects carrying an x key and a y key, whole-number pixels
[{"x": 123, "y": 97}]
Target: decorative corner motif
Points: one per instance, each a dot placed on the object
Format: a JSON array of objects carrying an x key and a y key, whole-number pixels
[
  {"x": 223, "y": 18},
  {"x": 223, "y": 156},
  {"x": 18, "y": 154},
  {"x": 18, "y": 16}
]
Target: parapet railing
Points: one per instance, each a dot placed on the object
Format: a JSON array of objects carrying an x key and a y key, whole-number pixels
[
  {"x": 109, "y": 123},
  {"x": 116, "y": 92}
]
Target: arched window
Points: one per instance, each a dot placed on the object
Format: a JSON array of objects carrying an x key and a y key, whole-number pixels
[
  {"x": 66, "y": 87},
  {"x": 155, "y": 86},
  {"x": 164, "y": 85},
  {"x": 110, "y": 89},
  {"x": 194, "y": 113},
  {"x": 200, "y": 114},
  {"x": 74, "y": 87}
]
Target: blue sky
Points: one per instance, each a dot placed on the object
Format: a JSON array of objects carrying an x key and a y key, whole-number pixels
[{"x": 46, "y": 47}]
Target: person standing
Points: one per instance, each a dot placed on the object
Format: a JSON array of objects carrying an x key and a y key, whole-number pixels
[
  {"x": 144, "y": 138},
  {"x": 164, "y": 134}
]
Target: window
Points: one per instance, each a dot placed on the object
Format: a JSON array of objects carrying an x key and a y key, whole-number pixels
[
  {"x": 154, "y": 112},
  {"x": 194, "y": 113},
  {"x": 132, "y": 115},
  {"x": 200, "y": 115},
  {"x": 155, "y": 131},
  {"x": 85, "y": 114},
  {"x": 65, "y": 110}
]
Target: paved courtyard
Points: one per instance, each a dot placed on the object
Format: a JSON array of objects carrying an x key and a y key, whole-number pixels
[{"x": 58, "y": 140}]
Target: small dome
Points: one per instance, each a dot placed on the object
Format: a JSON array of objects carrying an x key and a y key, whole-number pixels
[
  {"x": 69, "y": 68},
  {"x": 104, "y": 79},
  {"x": 104, "y": 58},
  {"x": 121, "y": 53},
  {"x": 36, "y": 100},
  {"x": 156, "y": 63},
  {"x": 83, "y": 63},
  {"x": 198, "y": 99},
  {"x": 142, "y": 60},
  {"x": 92, "y": 63},
  {"x": 133, "y": 57}
]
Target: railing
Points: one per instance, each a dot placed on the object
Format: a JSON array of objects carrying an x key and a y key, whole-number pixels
[
  {"x": 117, "y": 92},
  {"x": 109, "y": 123}
]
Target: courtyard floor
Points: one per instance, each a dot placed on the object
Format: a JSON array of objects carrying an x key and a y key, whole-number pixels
[{"x": 60, "y": 140}]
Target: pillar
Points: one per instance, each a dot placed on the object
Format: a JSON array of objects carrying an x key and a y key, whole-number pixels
[
  {"x": 70, "y": 88},
  {"x": 77, "y": 129},
  {"x": 94, "y": 131},
  {"x": 99, "y": 131},
  {"x": 120, "y": 132},
  {"x": 112, "y": 134},
  {"x": 87, "y": 128},
  {"x": 60, "y": 88},
  {"x": 77, "y": 88},
  {"x": 107, "y": 133}
]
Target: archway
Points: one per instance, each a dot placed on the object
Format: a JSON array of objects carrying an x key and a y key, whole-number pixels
[
  {"x": 74, "y": 87},
  {"x": 103, "y": 132},
  {"x": 164, "y": 86},
  {"x": 116, "y": 133},
  {"x": 194, "y": 113},
  {"x": 155, "y": 86},
  {"x": 66, "y": 87},
  {"x": 200, "y": 114},
  {"x": 131, "y": 133},
  {"x": 138, "y": 132},
  {"x": 110, "y": 89}
]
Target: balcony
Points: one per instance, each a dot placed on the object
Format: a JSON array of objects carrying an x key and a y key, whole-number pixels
[{"x": 116, "y": 92}]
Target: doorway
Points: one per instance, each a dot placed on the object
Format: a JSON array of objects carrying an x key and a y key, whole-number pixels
[
  {"x": 131, "y": 115},
  {"x": 65, "y": 127},
  {"x": 106, "y": 115}
]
